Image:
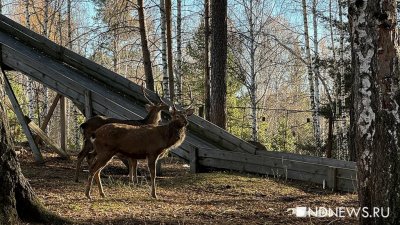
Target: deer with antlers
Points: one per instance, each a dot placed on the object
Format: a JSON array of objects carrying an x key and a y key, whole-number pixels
[
  {"x": 91, "y": 125},
  {"x": 139, "y": 142}
]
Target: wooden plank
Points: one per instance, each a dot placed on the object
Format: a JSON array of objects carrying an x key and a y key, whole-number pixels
[
  {"x": 63, "y": 128},
  {"x": 347, "y": 173},
  {"x": 194, "y": 160},
  {"x": 88, "y": 104},
  {"x": 281, "y": 173},
  {"x": 332, "y": 178},
  {"x": 46, "y": 139},
  {"x": 310, "y": 159},
  {"x": 346, "y": 185},
  {"x": 20, "y": 116},
  {"x": 49, "y": 114},
  {"x": 264, "y": 161}
]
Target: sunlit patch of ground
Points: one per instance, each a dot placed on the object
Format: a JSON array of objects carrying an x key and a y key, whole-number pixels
[{"x": 184, "y": 198}]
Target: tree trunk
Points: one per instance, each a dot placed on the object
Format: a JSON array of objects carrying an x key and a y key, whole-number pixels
[
  {"x": 30, "y": 91},
  {"x": 218, "y": 62},
  {"x": 145, "y": 48},
  {"x": 310, "y": 79},
  {"x": 17, "y": 199},
  {"x": 207, "y": 88},
  {"x": 343, "y": 128},
  {"x": 179, "y": 52},
  {"x": 253, "y": 85},
  {"x": 376, "y": 107},
  {"x": 164, "y": 51},
  {"x": 168, "y": 7},
  {"x": 46, "y": 34},
  {"x": 316, "y": 74}
]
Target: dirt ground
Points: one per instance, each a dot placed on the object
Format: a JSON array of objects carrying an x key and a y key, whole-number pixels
[{"x": 218, "y": 197}]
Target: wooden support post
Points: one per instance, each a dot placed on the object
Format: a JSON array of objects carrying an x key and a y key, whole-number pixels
[
  {"x": 88, "y": 104},
  {"x": 332, "y": 181},
  {"x": 194, "y": 153},
  {"x": 20, "y": 116},
  {"x": 46, "y": 139},
  {"x": 49, "y": 114},
  {"x": 63, "y": 130}
]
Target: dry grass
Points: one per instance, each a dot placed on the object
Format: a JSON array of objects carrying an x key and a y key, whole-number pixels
[{"x": 184, "y": 198}]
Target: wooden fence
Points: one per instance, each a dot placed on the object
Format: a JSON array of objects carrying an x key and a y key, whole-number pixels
[{"x": 330, "y": 173}]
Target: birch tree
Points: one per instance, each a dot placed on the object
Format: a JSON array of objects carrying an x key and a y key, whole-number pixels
[
  {"x": 253, "y": 55},
  {"x": 30, "y": 90},
  {"x": 376, "y": 107},
  {"x": 164, "y": 50},
  {"x": 179, "y": 51},
  {"x": 311, "y": 81}
]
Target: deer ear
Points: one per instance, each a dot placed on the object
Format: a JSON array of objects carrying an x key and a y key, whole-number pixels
[
  {"x": 189, "y": 112},
  {"x": 148, "y": 107}
]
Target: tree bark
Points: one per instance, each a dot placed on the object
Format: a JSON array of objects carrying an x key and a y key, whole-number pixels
[
  {"x": 17, "y": 199},
  {"x": 168, "y": 7},
  {"x": 179, "y": 51},
  {"x": 316, "y": 75},
  {"x": 145, "y": 48},
  {"x": 164, "y": 51},
  {"x": 207, "y": 88},
  {"x": 376, "y": 107},
  {"x": 218, "y": 62},
  {"x": 310, "y": 78},
  {"x": 343, "y": 116}
]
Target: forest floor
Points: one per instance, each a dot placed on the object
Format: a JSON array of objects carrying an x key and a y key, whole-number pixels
[{"x": 217, "y": 197}]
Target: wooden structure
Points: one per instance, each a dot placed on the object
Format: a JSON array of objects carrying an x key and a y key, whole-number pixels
[{"x": 97, "y": 90}]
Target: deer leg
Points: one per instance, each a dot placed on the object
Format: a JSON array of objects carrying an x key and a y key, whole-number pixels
[
  {"x": 151, "y": 162},
  {"x": 98, "y": 180},
  {"x": 133, "y": 170},
  {"x": 94, "y": 170},
  {"x": 82, "y": 154}
]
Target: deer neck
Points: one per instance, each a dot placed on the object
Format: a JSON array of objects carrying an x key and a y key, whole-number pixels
[
  {"x": 153, "y": 117},
  {"x": 176, "y": 134}
]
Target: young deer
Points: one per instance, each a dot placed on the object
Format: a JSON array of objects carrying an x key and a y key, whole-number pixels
[
  {"x": 139, "y": 142},
  {"x": 91, "y": 125}
]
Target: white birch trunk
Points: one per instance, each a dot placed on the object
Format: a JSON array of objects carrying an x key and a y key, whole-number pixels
[
  {"x": 343, "y": 128},
  {"x": 179, "y": 52},
  {"x": 46, "y": 34},
  {"x": 310, "y": 76},
  {"x": 30, "y": 90},
  {"x": 316, "y": 77},
  {"x": 253, "y": 85},
  {"x": 164, "y": 51}
]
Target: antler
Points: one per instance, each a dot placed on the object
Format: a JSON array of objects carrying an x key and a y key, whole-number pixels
[{"x": 145, "y": 96}]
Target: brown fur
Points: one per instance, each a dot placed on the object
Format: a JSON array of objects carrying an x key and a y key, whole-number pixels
[
  {"x": 137, "y": 142},
  {"x": 94, "y": 123}
]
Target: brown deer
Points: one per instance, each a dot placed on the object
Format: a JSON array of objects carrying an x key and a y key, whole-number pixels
[
  {"x": 91, "y": 125},
  {"x": 139, "y": 142}
]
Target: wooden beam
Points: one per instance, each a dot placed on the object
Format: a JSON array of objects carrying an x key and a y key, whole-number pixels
[
  {"x": 20, "y": 116},
  {"x": 46, "y": 139},
  {"x": 194, "y": 160},
  {"x": 50, "y": 113},
  {"x": 63, "y": 130},
  {"x": 88, "y": 104}
]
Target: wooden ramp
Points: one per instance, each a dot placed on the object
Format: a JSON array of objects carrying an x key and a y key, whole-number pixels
[{"x": 94, "y": 88}]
